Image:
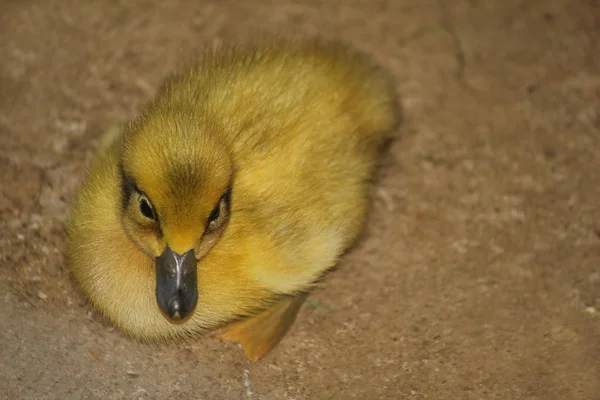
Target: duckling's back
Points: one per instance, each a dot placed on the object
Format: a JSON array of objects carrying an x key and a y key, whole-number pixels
[{"x": 304, "y": 124}]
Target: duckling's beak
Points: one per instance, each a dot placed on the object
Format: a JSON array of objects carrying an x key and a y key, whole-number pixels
[{"x": 176, "y": 284}]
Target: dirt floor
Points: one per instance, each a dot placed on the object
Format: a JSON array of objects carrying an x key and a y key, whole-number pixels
[{"x": 479, "y": 273}]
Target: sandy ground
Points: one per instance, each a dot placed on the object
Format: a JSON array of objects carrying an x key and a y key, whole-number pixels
[{"x": 479, "y": 273}]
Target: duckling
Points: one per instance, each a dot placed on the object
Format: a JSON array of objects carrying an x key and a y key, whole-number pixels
[{"x": 233, "y": 192}]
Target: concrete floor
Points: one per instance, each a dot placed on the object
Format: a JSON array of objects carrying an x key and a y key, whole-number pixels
[{"x": 479, "y": 273}]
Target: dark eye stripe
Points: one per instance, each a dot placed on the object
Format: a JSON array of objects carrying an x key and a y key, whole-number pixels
[
  {"x": 227, "y": 196},
  {"x": 128, "y": 187}
]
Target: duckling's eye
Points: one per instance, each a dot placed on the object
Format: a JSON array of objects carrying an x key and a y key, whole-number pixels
[
  {"x": 214, "y": 215},
  {"x": 146, "y": 209},
  {"x": 219, "y": 213}
]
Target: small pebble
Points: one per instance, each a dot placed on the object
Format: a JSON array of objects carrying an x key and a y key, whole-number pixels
[
  {"x": 60, "y": 145},
  {"x": 14, "y": 223},
  {"x": 590, "y": 310},
  {"x": 20, "y": 236},
  {"x": 42, "y": 295},
  {"x": 35, "y": 218}
]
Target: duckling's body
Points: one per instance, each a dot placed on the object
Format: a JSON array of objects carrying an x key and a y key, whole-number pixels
[{"x": 256, "y": 163}]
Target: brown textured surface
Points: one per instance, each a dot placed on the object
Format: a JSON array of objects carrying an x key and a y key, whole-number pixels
[{"x": 479, "y": 273}]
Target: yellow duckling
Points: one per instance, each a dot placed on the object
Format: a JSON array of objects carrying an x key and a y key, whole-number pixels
[{"x": 232, "y": 193}]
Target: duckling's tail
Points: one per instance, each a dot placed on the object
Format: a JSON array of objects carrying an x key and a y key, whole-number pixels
[{"x": 379, "y": 112}]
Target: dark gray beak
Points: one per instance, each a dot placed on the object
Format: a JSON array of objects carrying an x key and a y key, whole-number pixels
[{"x": 176, "y": 284}]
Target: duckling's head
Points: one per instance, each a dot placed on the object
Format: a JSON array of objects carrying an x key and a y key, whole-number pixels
[{"x": 176, "y": 182}]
